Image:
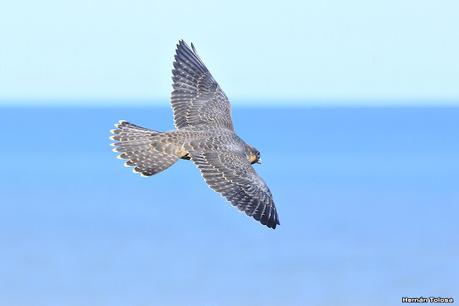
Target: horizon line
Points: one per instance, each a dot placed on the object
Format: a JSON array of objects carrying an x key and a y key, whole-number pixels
[{"x": 241, "y": 102}]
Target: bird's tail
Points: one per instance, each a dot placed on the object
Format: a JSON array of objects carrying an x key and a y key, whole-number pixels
[{"x": 147, "y": 151}]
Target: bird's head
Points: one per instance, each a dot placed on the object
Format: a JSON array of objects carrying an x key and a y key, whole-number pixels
[{"x": 253, "y": 155}]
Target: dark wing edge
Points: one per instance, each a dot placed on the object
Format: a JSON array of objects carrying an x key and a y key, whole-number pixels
[
  {"x": 231, "y": 175},
  {"x": 196, "y": 96},
  {"x": 184, "y": 52}
]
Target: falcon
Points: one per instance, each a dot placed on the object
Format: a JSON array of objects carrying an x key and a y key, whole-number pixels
[{"x": 205, "y": 135}]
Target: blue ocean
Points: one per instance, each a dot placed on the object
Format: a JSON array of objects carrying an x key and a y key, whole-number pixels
[{"x": 368, "y": 201}]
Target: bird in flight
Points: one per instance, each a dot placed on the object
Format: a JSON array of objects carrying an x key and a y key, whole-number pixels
[{"x": 205, "y": 135}]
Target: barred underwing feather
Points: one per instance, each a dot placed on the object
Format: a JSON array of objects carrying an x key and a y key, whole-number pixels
[
  {"x": 197, "y": 99},
  {"x": 231, "y": 175}
]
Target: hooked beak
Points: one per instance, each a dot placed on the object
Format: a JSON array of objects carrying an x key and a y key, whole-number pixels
[{"x": 259, "y": 161}]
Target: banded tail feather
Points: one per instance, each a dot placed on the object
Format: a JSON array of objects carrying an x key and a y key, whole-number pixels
[{"x": 147, "y": 151}]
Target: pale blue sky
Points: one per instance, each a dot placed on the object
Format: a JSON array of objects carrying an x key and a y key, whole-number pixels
[{"x": 340, "y": 51}]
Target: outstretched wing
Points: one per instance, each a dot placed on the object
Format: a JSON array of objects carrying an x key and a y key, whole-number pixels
[
  {"x": 231, "y": 174},
  {"x": 197, "y": 99}
]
